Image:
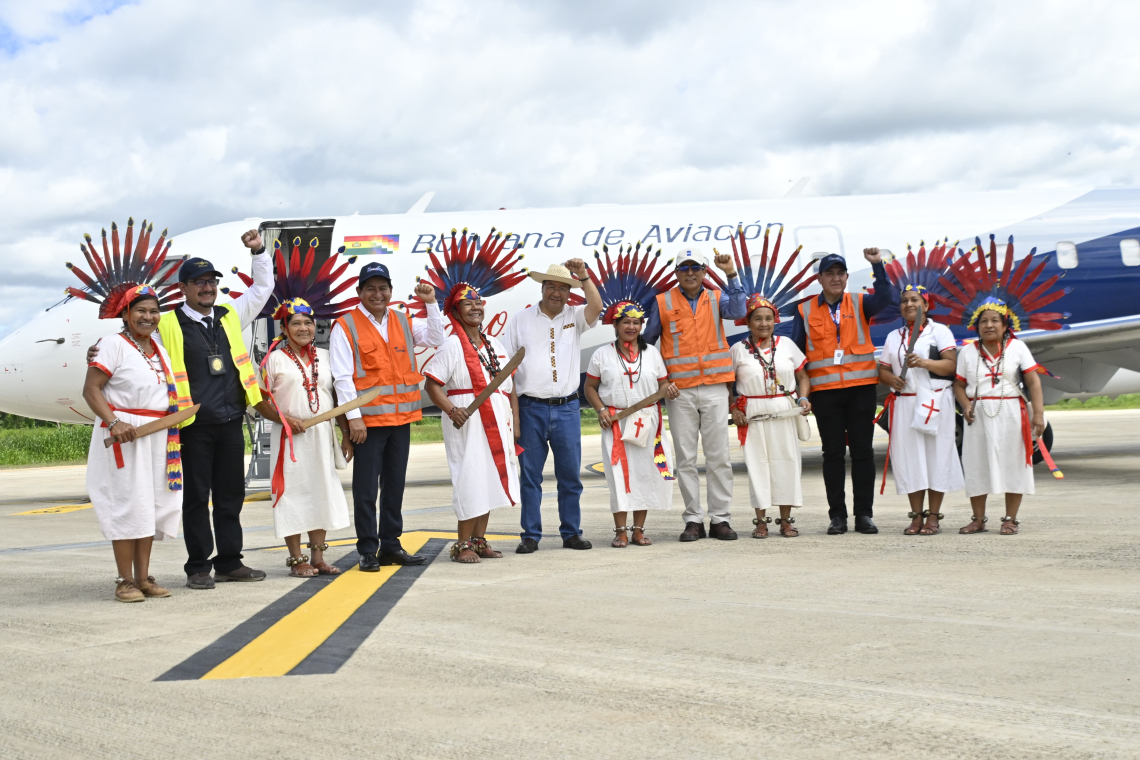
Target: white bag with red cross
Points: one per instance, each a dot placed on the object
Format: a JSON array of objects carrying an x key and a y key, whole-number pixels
[
  {"x": 927, "y": 412},
  {"x": 635, "y": 433}
]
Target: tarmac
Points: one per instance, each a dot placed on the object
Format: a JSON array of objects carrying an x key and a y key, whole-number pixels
[{"x": 852, "y": 646}]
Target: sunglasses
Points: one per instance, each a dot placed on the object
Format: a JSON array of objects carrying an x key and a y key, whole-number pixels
[{"x": 690, "y": 268}]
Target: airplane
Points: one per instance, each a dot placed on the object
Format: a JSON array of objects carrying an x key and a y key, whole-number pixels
[{"x": 1091, "y": 234}]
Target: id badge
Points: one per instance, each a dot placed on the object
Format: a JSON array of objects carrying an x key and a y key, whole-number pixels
[
  {"x": 838, "y": 355},
  {"x": 216, "y": 365}
]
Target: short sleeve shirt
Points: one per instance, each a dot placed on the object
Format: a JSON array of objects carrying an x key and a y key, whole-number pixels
[{"x": 552, "y": 365}]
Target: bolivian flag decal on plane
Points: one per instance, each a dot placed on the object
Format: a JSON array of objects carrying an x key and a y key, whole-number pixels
[{"x": 361, "y": 245}]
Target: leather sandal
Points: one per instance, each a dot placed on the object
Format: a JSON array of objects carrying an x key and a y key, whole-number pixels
[
  {"x": 299, "y": 567},
  {"x": 620, "y": 541},
  {"x": 1009, "y": 526},
  {"x": 483, "y": 549},
  {"x": 965, "y": 529},
  {"x": 761, "y": 524},
  {"x": 915, "y": 523},
  {"x": 928, "y": 529},
  {"x": 459, "y": 548},
  {"x": 323, "y": 568},
  {"x": 638, "y": 537},
  {"x": 786, "y": 529}
]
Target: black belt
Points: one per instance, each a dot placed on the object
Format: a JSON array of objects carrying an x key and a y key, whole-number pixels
[{"x": 555, "y": 401}]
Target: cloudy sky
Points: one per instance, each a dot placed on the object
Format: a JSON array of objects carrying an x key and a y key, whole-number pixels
[{"x": 195, "y": 113}]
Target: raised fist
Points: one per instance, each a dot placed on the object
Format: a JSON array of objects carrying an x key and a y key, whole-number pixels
[
  {"x": 252, "y": 240},
  {"x": 724, "y": 263},
  {"x": 872, "y": 255},
  {"x": 577, "y": 267},
  {"x": 426, "y": 291}
]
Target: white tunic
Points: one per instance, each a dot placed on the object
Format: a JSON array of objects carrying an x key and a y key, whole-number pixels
[
  {"x": 314, "y": 497},
  {"x": 648, "y": 489},
  {"x": 993, "y": 451},
  {"x": 771, "y": 448},
  {"x": 477, "y": 485},
  {"x": 920, "y": 461},
  {"x": 132, "y": 502}
]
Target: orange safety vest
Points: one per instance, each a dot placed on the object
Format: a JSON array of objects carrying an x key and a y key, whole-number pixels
[
  {"x": 857, "y": 366},
  {"x": 390, "y": 364},
  {"x": 693, "y": 345}
]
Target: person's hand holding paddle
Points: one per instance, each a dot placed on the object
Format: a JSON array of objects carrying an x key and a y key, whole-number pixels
[
  {"x": 124, "y": 432},
  {"x": 458, "y": 416},
  {"x": 605, "y": 419}
]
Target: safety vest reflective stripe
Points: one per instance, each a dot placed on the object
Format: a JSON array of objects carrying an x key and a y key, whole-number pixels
[
  {"x": 847, "y": 359},
  {"x": 673, "y": 325},
  {"x": 354, "y": 340},
  {"x": 807, "y": 330},
  {"x": 863, "y": 374},
  {"x": 395, "y": 398},
  {"x": 824, "y": 339}
]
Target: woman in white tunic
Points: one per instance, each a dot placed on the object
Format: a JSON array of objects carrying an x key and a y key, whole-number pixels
[
  {"x": 924, "y": 460},
  {"x": 136, "y": 485},
  {"x": 637, "y": 459},
  {"x": 308, "y": 495},
  {"x": 997, "y": 447},
  {"x": 481, "y": 446},
  {"x": 767, "y": 368}
]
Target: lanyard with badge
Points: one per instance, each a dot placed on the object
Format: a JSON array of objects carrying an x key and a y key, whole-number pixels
[
  {"x": 214, "y": 359},
  {"x": 835, "y": 317}
]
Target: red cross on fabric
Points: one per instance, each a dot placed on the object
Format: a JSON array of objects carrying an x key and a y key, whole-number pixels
[
  {"x": 932, "y": 410},
  {"x": 994, "y": 376},
  {"x": 637, "y": 426}
]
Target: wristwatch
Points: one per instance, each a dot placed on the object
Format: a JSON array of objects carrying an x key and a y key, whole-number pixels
[{"x": 259, "y": 251}]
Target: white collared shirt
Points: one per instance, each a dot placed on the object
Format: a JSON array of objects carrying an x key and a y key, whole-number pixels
[
  {"x": 553, "y": 361},
  {"x": 425, "y": 332},
  {"x": 250, "y": 303}
]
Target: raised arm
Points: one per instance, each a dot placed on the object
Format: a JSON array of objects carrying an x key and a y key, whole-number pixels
[
  {"x": 877, "y": 301},
  {"x": 734, "y": 304},
  {"x": 428, "y": 331},
  {"x": 593, "y": 298},
  {"x": 249, "y": 304}
]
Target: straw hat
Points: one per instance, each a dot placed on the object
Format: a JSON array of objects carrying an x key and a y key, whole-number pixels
[{"x": 557, "y": 273}]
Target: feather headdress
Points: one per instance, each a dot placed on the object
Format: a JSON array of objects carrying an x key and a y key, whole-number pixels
[
  {"x": 296, "y": 280},
  {"x": 471, "y": 268},
  {"x": 768, "y": 285},
  {"x": 630, "y": 287},
  {"x": 120, "y": 270},
  {"x": 1013, "y": 291},
  {"x": 920, "y": 274}
]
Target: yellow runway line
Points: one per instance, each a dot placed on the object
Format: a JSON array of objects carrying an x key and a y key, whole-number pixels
[
  {"x": 53, "y": 510},
  {"x": 294, "y": 637},
  {"x": 352, "y": 541}
]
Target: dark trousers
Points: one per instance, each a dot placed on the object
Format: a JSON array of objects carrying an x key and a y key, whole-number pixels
[
  {"x": 213, "y": 460},
  {"x": 382, "y": 460},
  {"x": 845, "y": 418}
]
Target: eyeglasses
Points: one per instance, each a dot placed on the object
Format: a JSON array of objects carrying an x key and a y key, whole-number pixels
[
  {"x": 204, "y": 283},
  {"x": 690, "y": 268}
]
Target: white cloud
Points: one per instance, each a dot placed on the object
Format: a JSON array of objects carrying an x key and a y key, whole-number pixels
[{"x": 196, "y": 113}]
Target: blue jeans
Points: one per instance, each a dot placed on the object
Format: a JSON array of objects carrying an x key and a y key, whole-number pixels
[{"x": 560, "y": 429}]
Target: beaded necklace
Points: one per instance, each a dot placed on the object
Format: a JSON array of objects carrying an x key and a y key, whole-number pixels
[
  {"x": 159, "y": 371},
  {"x": 491, "y": 361},
  {"x": 771, "y": 382},
  {"x": 996, "y": 371},
  {"x": 627, "y": 369},
  {"x": 311, "y": 388}
]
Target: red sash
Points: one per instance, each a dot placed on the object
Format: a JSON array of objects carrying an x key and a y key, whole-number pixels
[
  {"x": 889, "y": 410},
  {"x": 119, "y": 463}
]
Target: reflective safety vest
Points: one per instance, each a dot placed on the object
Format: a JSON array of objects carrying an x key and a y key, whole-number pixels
[
  {"x": 390, "y": 364},
  {"x": 857, "y": 365},
  {"x": 694, "y": 347},
  {"x": 171, "y": 333}
]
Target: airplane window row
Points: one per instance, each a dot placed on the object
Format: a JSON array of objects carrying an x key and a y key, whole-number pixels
[{"x": 1129, "y": 253}]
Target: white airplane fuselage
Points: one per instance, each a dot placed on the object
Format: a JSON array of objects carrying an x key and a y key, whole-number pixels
[{"x": 42, "y": 362}]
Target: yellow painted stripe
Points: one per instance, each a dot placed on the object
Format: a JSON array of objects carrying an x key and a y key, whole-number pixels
[
  {"x": 54, "y": 510},
  {"x": 352, "y": 541},
  {"x": 294, "y": 637}
]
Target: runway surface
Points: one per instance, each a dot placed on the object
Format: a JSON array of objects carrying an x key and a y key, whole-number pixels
[{"x": 817, "y": 647}]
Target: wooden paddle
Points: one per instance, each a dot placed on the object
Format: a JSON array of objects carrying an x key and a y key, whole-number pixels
[
  {"x": 348, "y": 406},
  {"x": 498, "y": 380},
  {"x": 777, "y": 415},
  {"x": 645, "y": 402},
  {"x": 162, "y": 423},
  {"x": 915, "y": 331}
]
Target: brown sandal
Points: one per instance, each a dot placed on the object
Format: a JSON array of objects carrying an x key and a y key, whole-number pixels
[
  {"x": 323, "y": 568},
  {"x": 786, "y": 529},
  {"x": 299, "y": 567},
  {"x": 483, "y": 549},
  {"x": 1009, "y": 526},
  {"x": 928, "y": 530},
  {"x": 620, "y": 541},
  {"x": 965, "y": 529},
  {"x": 635, "y": 540},
  {"x": 915, "y": 526},
  {"x": 761, "y": 524},
  {"x": 464, "y": 552}
]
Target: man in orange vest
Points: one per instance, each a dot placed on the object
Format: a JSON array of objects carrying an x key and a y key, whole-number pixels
[
  {"x": 833, "y": 330},
  {"x": 688, "y": 319},
  {"x": 372, "y": 346}
]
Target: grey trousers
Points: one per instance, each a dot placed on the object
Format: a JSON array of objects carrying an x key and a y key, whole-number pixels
[{"x": 702, "y": 412}]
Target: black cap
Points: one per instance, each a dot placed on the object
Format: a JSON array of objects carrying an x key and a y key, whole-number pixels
[
  {"x": 373, "y": 269},
  {"x": 830, "y": 260},
  {"x": 195, "y": 267}
]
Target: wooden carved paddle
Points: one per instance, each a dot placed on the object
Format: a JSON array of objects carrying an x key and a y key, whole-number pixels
[
  {"x": 498, "y": 380},
  {"x": 915, "y": 332},
  {"x": 348, "y": 406},
  {"x": 162, "y": 423},
  {"x": 645, "y": 402}
]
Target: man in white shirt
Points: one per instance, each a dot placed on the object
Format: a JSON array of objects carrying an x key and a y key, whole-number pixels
[
  {"x": 374, "y": 346},
  {"x": 547, "y": 385}
]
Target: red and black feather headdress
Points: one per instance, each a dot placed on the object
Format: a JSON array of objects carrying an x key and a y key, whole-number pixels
[
  {"x": 296, "y": 279},
  {"x": 470, "y": 264},
  {"x": 767, "y": 285},
  {"x": 630, "y": 281}
]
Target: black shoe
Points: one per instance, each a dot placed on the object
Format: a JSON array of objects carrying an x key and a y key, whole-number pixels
[
  {"x": 864, "y": 525},
  {"x": 838, "y": 526},
  {"x": 369, "y": 563},
  {"x": 243, "y": 574},
  {"x": 399, "y": 557},
  {"x": 200, "y": 581},
  {"x": 693, "y": 531},
  {"x": 576, "y": 542},
  {"x": 527, "y": 546},
  {"x": 722, "y": 530}
]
